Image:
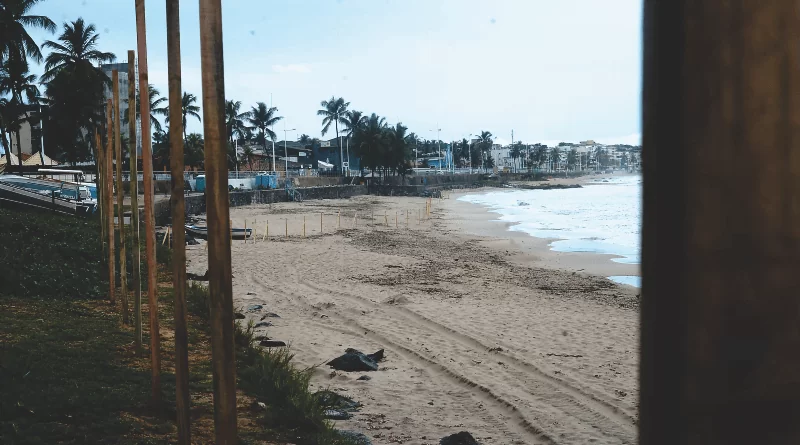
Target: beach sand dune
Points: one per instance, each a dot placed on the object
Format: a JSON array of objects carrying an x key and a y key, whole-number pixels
[{"x": 478, "y": 338}]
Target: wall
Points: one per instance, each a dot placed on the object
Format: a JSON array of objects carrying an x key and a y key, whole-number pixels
[{"x": 196, "y": 204}]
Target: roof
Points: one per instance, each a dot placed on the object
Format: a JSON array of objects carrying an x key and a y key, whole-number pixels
[{"x": 36, "y": 159}]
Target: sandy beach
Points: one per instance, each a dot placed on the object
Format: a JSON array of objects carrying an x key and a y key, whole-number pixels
[{"x": 485, "y": 330}]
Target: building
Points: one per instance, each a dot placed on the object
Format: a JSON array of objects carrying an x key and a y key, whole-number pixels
[
  {"x": 108, "y": 93},
  {"x": 30, "y": 133}
]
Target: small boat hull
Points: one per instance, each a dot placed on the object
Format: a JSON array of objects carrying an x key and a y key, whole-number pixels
[{"x": 202, "y": 232}]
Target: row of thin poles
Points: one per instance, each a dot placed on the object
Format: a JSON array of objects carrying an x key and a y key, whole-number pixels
[{"x": 220, "y": 285}]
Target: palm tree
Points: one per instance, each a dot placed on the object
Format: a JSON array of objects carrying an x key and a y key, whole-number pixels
[
  {"x": 262, "y": 118},
  {"x": 484, "y": 143},
  {"x": 155, "y": 108},
  {"x": 353, "y": 120},
  {"x": 371, "y": 142},
  {"x": 599, "y": 152},
  {"x": 572, "y": 158},
  {"x": 194, "y": 150},
  {"x": 516, "y": 152},
  {"x": 16, "y": 80},
  {"x": 234, "y": 119},
  {"x": 555, "y": 157},
  {"x": 247, "y": 156},
  {"x": 77, "y": 53},
  {"x": 14, "y": 38},
  {"x": 333, "y": 112},
  {"x": 189, "y": 107}
]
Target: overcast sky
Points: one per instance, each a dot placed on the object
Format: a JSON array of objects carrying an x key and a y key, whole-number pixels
[{"x": 551, "y": 70}]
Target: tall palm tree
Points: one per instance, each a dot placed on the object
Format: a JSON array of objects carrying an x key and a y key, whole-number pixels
[
  {"x": 75, "y": 87},
  {"x": 189, "y": 107},
  {"x": 77, "y": 52},
  {"x": 234, "y": 119},
  {"x": 572, "y": 158},
  {"x": 485, "y": 143},
  {"x": 156, "y": 108},
  {"x": 555, "y": 157},
  {"x": 599, "y": 154},
  {"x": 372, "y": 142},
  {"x": 262, "y": 118},
  {"x": 14, "y": 38},
  {"x": 333, "y": 112},
  {"x": 353, "y": 120}
]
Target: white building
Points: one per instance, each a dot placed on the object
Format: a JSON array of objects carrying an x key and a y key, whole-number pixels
[{"x": 122, "y": 69}]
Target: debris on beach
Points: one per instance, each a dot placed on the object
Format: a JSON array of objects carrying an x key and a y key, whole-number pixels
[
  {"x": 355, "y": 438},
  {"x": 356, "y": 361},
  {"x": 254, "y": 308},
  {"x": 270, "y": 315},
  {"x": 272, "y": 344},
  {"x": 263, "y": 324},
  {"x": 364, "y": 378},
  {"x": 337, "y": 406},
  {"x": 522, "y": 203},
  {"x": 462, "y": 438},
  {"x": 238, "y": 316},
  {"x": 195, "y": 277}
]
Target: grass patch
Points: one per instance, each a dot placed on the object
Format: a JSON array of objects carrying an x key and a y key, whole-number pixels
[{"x": 50, "y": 255}]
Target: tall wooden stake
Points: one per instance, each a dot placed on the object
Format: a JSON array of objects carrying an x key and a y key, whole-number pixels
[
  {"x": 719, "y": 309},
  {"x": 149, "y": 218},
  {"x": 219, "y": 250},
  {"x": 178, "y": 219},
  {"x": 123, "y": 263},
  {"x": 134, "y": 191},
  {"x": 109, "y": 200},
  {"x": 100, "y": 160}
]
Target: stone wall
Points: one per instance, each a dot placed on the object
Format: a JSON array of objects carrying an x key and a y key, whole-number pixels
[{"x": 196, "y": 203}]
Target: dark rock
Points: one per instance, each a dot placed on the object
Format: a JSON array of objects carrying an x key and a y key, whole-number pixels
[
  {"x": 254, "y": 308},
  {"x": 238, "y": 316},
  {"x": 337, "y": 414},
  {"x": 355, "y": 438},
  {"x": 365, "y": 377},
  {"x": 270, "y": 315},
  {"x": 251, "y": 293},
  {"x": 377, "y": 356},
  {"x": 333, "y": 401},
  {"x": 272, "y": 343},
  {"x": 354, "y": 361},
  {"x": 192, "y": 242},
  {"x": 263, "y": 324},
  {"x": 462, "y": 438},
  {"x": 195, "y": 277}
]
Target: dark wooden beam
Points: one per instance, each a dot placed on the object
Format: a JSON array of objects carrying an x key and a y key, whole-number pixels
[
  {"x": 123, "y": 266},
  {"x": 178, "y": 207},
  {"x": 134, "y": 191},
  {"x": 149, "y": 217},
  {"x": 218, "y": 214},
  {"x": 721, "y": 226}
]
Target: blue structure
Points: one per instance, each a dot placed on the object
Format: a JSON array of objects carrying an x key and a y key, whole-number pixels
[
  {"x": 268, "y": 181},
  {"x": 200, "y": 183}
]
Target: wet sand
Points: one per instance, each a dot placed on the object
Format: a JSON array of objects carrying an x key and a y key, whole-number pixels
[{"x": 485, "y": 331}]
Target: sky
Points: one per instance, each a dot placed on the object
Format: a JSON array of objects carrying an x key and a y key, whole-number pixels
[{"x": 550, "y": 70}]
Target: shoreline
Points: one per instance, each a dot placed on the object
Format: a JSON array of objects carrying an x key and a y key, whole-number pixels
[
  {"x": 482, "y": 221},
  {"x": 478, "y": 337}
]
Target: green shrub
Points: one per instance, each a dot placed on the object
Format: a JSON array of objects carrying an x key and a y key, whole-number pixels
[{"x": 197, "y": 300}]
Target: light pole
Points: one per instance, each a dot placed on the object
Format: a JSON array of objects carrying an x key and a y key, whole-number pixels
[
  {"x": 438, "y": 145},
  {"x": 285, "y": 151}
]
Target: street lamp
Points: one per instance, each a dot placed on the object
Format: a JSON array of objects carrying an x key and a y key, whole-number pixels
[
  {"x": 285, "y": 151},
  {"x": 439, "y": 145}
]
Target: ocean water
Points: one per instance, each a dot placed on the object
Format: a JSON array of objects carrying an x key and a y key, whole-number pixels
[{"x": 603, "y": 217}]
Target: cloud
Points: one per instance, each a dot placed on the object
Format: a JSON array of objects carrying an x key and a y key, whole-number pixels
[{"x": 292, "y": 68}]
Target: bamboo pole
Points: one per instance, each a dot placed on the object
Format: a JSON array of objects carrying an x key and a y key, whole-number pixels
[
  {"x": 395, "y": 219},
  {"x": 304, "y": 226},
  {"x": 178, "y": 210},
  {"x": 100, "y": 160},
  {"x": 166, "y": 235},
  {"x": 219, "y": 253},
  {"x": 406, "y": 218},
  {"x": 385, "y": 218},
  {"x": 266, "y": 231},
  {"x": 123, "y": 260},
  {"x": 286, "y": 222},
  {"x": 320, "y": 223},
  {"x": 109, "y": 203},
  {"x": 245, "y": 230},
  {"x": 149, "y": 217},
  {"x": 355, "y": 219},
  {"x": 339, "y": 219},
  {"x": 134, "y": 190}
]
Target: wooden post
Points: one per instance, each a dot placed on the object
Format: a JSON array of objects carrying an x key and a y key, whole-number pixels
[
  {"x": 339, "y": 219},
  {"x": 178, "y": 211},
  {"x": 100, "y": 160},
  {"x": 149, "y": 217},
  {"x": 395, "y": 219},
  {"x": 266, "y": 231},
  {"x": 123, "y": 260},
  {"x": 286, "y": 222},
  {"x": 406, "y": 218},
  {"x": 304, "y": 226},
  {"x": 720, "y": 255},
  {"x": 230, "y": 221},
  {"x": 245, "y": 230},
  {"x": 134, "y": 191},
  {"x": 320, "y": 223},
  {"x": 355, "y": 220},
  {"x": 385, "y": 218},
  {"x": 219, "y": 252},
  {"x": 109, "y": 203}
]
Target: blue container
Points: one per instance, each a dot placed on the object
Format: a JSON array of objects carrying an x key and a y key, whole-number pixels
[
  {"x": 268, "y": 181},
  {"x": 200, "y": 183}
]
